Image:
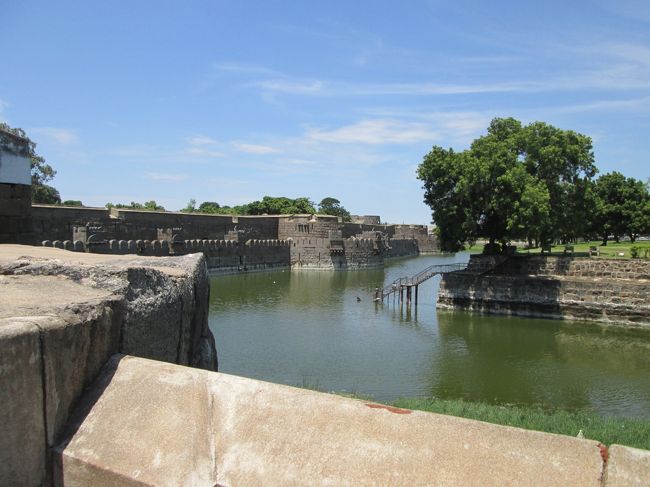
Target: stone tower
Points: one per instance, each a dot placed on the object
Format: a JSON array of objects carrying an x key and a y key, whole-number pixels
[{"x": 15, "y": 189}]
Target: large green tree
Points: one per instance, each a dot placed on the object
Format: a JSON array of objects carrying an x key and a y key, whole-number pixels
[{"x": 515, "y": 182}]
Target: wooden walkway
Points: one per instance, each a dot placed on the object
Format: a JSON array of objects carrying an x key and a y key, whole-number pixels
[{"x": 410, "y": 284}]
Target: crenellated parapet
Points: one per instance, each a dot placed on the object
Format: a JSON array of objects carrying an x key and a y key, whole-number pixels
[
  {"x": 230, "y": 243},
  {"x": 336, "y": 253}
]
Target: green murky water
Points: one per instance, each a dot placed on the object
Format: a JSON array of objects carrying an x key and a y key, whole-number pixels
[{"x": 308, "y": 329}]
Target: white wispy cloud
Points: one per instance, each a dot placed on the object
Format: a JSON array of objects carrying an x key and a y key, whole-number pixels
[
  {"x": 633, "y": 105},
  {"x": 619, "y": 77},
  {"x": 158, "y": 176},
  {"x": 636, "y": 53},
  {"x": 254, "y": 148},
  {"x": 638, "y": 10},
  {"x": 61, "y": 136},
  {"x": 201, "y": 140},
  {"x": 135, "y": 151},
  {"x": 292, "y": 87},
  {"x": 202, "y": 152},
  {"x": 332, "y": 88},
  {"x": 300, "y": 162},
  {"x": 242, "y": 68},
  {"x": 377, "y": 131}
]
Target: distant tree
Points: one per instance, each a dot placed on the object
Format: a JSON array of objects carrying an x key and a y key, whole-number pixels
[
  {"x": 72, "y": 203},
  {"x": 332, "y": 206},
  {"x": 281, "y": 206},
  {"x": 146, "y": 206},
  {"x": 191, "y": 206},
  {"x": 209, "y": 207},
  {"x": 622, "y": 207},
  {"x": 513, "y": 183},
  {"x": 42, "y": 173}
]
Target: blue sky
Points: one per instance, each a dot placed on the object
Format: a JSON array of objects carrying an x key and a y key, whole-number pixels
[{"x": 230, "y": 101}]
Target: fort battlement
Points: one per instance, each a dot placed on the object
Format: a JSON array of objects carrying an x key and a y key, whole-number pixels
[{"x": 230, "y": 243}]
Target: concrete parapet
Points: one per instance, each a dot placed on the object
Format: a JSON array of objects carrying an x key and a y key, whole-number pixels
[
  {"x": 63, "y": 314},
  {"x": 191, "y": 427},
  {"x": 627, "y": 467}
]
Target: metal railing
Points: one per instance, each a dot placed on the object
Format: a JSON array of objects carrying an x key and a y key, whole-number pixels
[{"x": 419, "y": 278}]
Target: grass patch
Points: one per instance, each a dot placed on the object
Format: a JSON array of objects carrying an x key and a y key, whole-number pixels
[
  {"x": 610, "y": 251},
  {"x": 629, "y": 432},
  {"x": 609, "y": 431}
]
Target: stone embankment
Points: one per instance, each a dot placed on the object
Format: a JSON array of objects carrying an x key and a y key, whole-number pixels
[
  {"x": 63, "y": 315},
  {"x": 613, "y": 291}
]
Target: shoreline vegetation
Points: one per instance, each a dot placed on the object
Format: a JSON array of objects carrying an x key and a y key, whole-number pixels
[
  {"x": 610, "y": 251},
  {"x": 607, "y": 430},
  {"x": 632, "y": 432}
]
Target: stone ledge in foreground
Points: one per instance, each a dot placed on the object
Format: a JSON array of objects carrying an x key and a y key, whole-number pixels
[{"x": 147, "y": 422}]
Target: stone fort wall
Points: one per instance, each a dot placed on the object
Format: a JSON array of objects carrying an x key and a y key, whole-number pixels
[
  {"x": 324, "y": 254},
  {"x": 230, "y": 243}
]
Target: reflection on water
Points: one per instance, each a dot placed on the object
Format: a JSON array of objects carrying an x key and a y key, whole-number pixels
[{"x": 308, "y": 328}]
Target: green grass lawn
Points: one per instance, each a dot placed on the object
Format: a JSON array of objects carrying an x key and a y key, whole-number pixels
[
  {"x": 610, "y": 251},
  {"x": 629, "y": 432}
]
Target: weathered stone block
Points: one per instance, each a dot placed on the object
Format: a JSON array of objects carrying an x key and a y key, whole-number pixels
[
  {"x": 142, "y": 423},
  {"x": 76, "y": 345},
  {"x": 22, "y": 441},
  {"x": 627, "y": 467}
]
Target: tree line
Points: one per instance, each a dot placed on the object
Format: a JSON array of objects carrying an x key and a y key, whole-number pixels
[
  {"x": 270, "y": 205},
  {"x": 534, "y": 183}
]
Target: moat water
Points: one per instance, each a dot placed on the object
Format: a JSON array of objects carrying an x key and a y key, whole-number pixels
[{"x": 308, "y": 329}]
